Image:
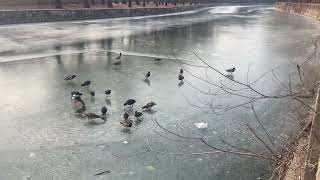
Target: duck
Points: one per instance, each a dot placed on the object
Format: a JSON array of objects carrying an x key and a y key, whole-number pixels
[
  {"x": 70, "y": 77},
  {"x": 129, "y": 102},
  {"x": 75, "y": 93},
  {"x": 117, "y": 63},
  {"x": 126, "y": 122},
  {"x": 78, "y": 98},
  {"x": 92, "y": 93},
  {"x": 82, "y": 109},
  {"x": 147, "y": 75},
  {"x": 126, "y": 116},
  {"x": 138, "y": 115},
  {"x": 86, "y": 83},
  {"x": 148, "y": 106},
  {"x": 119, "y": 57},
  {"x": 104, "y": 110},
  {"x": 181, "y": 71},
  {"x": 181, "y": 77},
  {"x": 92, "y": 116},
  {"x": 232, "y": 70},
  {"x": 107, "y": 92},
  {"x": 156, "y": 60}
]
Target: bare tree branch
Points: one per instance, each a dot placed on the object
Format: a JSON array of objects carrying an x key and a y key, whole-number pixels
[
  {"x": 265, "y": 131},
  {"x": 264, "y": 143},
  {"x": 216, "y": 148}
]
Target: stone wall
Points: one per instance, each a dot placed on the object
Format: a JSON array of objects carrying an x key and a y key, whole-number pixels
[
  {"x": 307, "y": 9},
  {"x": 32, "y": 16}
]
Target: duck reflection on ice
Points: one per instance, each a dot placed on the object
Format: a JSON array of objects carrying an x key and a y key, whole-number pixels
[
  {"x": 147, "y": 81},
  {"x": 92, "y": 100},
  {"x": 180, "y": 84},
  {"x": 230, "y": 76},
  {"x": 108, "y": 101},
  {"x": 94, "y": 123}
]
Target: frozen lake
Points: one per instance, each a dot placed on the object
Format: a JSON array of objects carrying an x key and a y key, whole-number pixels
[{"x": 42, "y": 139}]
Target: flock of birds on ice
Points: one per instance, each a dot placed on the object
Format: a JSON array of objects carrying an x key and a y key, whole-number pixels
[{"x": 126, "y": 121}]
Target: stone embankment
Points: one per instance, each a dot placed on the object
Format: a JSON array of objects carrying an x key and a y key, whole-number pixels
[
  {"x": 306, "y": 9},
  {"x": 51, "y": 15},
  {"x": 305, "y": 164}
]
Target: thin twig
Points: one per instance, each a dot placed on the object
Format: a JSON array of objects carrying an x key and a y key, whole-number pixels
[
  {"x": 213, "y": 147},
  {"x": 265, "y": 144},
  {"x": 264, "y": 129}
]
